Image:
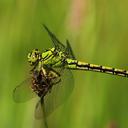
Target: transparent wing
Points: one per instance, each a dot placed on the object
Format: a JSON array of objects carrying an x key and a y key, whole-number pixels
[
  {"x": 40, "y": 113},
  {"x": 69, "y": 51},
  {"x": 23, "y": 92},
  {"x": 57, "y": 44},
  {"x": 58, "y": 95},
  {"x": 39, "y": 109}
]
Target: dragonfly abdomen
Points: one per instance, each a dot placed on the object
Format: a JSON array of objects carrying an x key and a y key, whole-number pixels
[{"x": 78, "y": 65}]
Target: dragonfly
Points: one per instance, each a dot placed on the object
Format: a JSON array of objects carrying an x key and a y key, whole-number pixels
[{"x": 51, "y": 76}]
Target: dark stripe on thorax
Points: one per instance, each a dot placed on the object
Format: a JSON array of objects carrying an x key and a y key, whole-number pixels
[{"x": 48, "y": 56}]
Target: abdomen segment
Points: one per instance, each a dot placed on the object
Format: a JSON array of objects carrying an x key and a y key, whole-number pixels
[{"x": 77, "y": 65}]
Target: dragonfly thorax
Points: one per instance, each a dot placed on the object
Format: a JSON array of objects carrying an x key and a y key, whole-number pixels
[{"x": 53, "y": 57}]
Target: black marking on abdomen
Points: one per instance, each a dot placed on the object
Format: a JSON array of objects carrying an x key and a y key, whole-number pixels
[
  {"x": 121, "y": 73},
  {"x": 103, "y": 69},
  {"x": 85, "y": 66},
  {"x": 96, "y": 68}
]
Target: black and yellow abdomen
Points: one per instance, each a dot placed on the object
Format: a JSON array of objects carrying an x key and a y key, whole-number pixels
[{"x": 78, "y": 65}]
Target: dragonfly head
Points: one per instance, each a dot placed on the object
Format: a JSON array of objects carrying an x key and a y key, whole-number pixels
[{"x": 34, "y": 57}]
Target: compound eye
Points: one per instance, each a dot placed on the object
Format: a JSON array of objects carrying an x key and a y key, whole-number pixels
[{"x": 29, "y": 55}]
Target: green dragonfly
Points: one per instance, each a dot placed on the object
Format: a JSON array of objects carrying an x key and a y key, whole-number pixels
[{"x": 51, "y": 78}]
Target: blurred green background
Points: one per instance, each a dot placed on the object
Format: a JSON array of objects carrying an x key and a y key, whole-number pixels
[{"x": 97, "y": 31}]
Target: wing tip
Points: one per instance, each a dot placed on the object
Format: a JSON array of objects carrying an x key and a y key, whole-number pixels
[{"x": 46, "y": 28}]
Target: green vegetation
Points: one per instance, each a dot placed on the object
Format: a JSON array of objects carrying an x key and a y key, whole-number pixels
[{"x": 97, "y": 31}]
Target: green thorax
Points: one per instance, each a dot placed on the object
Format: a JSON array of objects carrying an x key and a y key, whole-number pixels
[
  {"x": 50, "y": 58},
  {"x": 53, "y": 58}
]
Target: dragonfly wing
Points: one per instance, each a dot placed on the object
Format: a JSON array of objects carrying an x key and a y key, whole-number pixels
[
  {"x": 59, "y": 92},
  {"x": 69, "y": 51},
  {"x": 40, "y": 112},
  {"x": 39, "y": 109},
  {"x": 23, "y": 92},
  {"x": 57, "y": 44}
]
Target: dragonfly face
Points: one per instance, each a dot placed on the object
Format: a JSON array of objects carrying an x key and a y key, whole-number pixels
[{"x": 34, "y": 57}]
